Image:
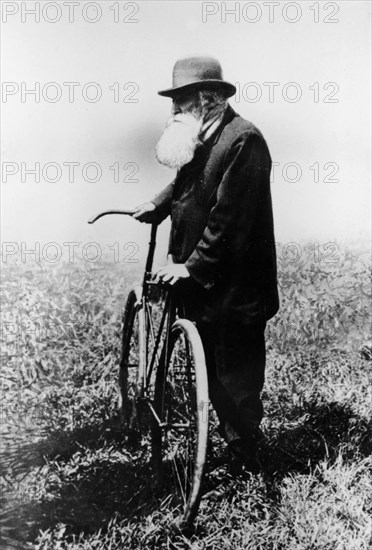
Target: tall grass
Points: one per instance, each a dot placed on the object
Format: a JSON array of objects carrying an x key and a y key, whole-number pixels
[{"x": 71, "y": 480}]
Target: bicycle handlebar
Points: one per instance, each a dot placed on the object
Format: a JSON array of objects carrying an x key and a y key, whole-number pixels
[
  {"x": 109, "y": 212},
  {"x": 152, "y": 243}
]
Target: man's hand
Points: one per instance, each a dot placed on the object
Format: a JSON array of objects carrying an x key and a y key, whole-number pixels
[
  {"x": 142, "y": 213},
  {"x": 172, "y": 273}
]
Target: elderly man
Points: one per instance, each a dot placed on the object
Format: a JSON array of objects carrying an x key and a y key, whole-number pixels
[{"x": 222, "y": 241}]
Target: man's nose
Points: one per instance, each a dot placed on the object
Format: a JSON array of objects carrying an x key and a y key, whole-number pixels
[{"x": 176, "y": 109}]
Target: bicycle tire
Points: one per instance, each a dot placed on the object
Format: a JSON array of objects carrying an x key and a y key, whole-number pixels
[
  {"x": 132, "y": 361},
  {"x": 181, "y": 397}
]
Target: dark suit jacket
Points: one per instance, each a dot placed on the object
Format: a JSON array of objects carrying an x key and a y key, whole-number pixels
[{"x": 222, "y": 221}]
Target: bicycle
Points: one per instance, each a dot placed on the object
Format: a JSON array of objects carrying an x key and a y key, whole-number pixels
[{"x": 163, "y": 383}]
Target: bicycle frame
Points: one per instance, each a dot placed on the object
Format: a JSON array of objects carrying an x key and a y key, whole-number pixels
[
  {"x": 167, "y": 318},
  {"x": 146, "y": 367}
]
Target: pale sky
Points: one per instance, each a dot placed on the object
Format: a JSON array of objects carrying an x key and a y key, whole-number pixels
[{"x": 327, "y": 129}]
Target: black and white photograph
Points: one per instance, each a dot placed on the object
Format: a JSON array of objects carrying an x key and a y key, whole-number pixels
[{"x": 185, "y": 327}]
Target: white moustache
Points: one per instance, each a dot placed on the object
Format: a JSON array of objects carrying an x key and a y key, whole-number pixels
[{"x": 183, "y": 118}]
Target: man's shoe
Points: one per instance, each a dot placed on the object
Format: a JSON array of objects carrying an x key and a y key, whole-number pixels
[{"x": 243, "y": 457}]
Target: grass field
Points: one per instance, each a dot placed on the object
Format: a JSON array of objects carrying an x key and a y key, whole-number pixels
[{"x": 70, "y": 480}]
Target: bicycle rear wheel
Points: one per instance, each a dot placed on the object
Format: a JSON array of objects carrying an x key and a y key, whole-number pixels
[
  {"x": 132, "y": 362},
  {"x": 180, "y": 436}
]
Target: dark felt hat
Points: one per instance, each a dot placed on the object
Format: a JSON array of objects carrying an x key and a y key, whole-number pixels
[{"x": 198, "y": 72}]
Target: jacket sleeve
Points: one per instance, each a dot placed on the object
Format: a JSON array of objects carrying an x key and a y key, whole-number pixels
[
  {"x": 247, "y": 165},
  {"x": 163, "y": 203}
]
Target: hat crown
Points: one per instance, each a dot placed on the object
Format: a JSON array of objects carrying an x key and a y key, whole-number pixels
[
  {"x": 197, "y": 72},
  {"x": 193, "y": 69}
]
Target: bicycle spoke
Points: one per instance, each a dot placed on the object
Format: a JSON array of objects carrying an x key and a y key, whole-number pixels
[
  {"x": 179, "y": 391},
  {"x": 180, "y": 438}
]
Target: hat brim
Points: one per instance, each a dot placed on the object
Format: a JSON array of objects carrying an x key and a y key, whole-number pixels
[{"x": 229, "y": 88}]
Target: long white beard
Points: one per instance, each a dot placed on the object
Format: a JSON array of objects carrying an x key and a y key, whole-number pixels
[{"x": 177, "y": 144}]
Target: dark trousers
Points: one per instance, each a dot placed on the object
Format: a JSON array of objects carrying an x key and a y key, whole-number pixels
[{"x": 235, "y": 357}]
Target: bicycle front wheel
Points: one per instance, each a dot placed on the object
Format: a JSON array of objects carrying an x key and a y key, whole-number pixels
[{"x": 180, "y": 433}]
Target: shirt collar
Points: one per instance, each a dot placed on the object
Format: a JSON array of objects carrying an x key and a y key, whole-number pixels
[{"x": 211, "y": 126}]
